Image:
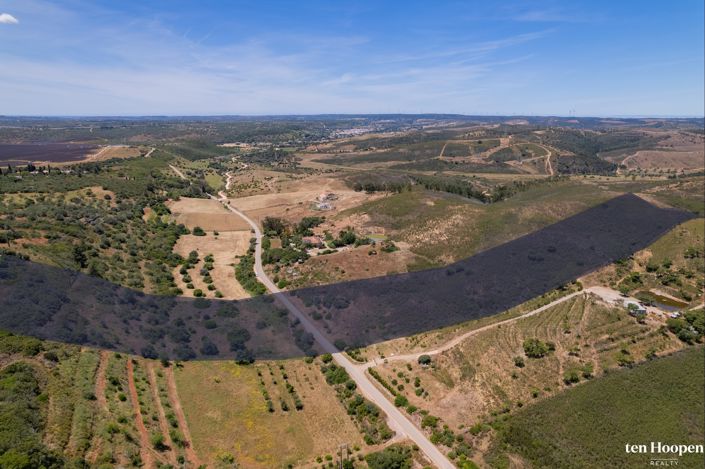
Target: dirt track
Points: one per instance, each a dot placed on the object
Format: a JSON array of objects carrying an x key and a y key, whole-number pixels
[{"x": 145, "y": 453}]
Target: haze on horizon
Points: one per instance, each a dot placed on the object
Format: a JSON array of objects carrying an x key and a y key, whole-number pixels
[{"x": 158, "y": 57}]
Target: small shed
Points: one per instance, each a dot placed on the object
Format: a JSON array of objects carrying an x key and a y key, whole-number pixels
[
  {"x": 635, "y": 308},
  {"x": 313, "y": 241}
]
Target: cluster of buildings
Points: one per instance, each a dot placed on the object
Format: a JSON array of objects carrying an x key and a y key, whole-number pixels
[{"x": 325, "y": 201}]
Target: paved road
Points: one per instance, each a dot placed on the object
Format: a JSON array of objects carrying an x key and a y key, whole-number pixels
[{"x": 397, "y": 421}]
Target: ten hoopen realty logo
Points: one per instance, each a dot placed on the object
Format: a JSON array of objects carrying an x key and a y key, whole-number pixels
[{"x": 663, "y": 454}]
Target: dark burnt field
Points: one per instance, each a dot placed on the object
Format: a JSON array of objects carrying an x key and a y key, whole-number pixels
[{"x": 52, "y": 152}]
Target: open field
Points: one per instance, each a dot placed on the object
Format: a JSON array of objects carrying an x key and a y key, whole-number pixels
[
  {"x": 675, "y": 151},
  {"x": 441, "y": 228},
  {"x": 228, "y": 415},
  {"x": 651, "y": 160},
  {"x": 207, "y": 213},
  {"x": 62, "y": 154},
  {"x": 293, "y": 206},
  {"x": 350, "y": 264}
]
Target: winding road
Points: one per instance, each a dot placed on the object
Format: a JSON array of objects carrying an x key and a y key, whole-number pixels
[
  {"x": 606, "y": 294},
  {"x": 397, "y": 421}
]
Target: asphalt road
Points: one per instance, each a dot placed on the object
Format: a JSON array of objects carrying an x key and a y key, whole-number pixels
[{"x": 397, "y": 421}]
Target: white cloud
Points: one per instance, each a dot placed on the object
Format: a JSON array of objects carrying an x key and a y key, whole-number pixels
[{"x": 7, "y": 18}]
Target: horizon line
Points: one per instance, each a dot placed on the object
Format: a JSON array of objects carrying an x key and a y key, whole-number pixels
[{"x": 605, "y": 116}]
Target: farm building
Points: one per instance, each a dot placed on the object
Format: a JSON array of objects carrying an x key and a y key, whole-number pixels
[
  {"x": 635, "y": 308},
  {"x": 324, "y": 201},
  {"x": 313, "y": 241}
]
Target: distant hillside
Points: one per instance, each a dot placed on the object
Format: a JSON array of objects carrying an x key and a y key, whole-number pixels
[{"x": 589, "y": 425}]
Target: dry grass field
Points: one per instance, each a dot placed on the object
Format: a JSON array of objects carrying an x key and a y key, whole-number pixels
[
  {"x": 351, "y": 264},
  {"x": 659, "y": 159},
  {"x": 227, "y": 414},
  {"x": 677, "y": 151},
  {"x": 118, "y": 151},
  {"x": 207, "y": 213},
  {"x": 293, "y": 206}
]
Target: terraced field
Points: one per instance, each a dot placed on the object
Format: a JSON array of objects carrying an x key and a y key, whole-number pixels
[{"x": 480, "y": 375}]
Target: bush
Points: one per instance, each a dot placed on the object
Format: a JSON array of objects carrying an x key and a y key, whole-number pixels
[
  {"x": 571, "y": 377},
  {"x": 534, "y": 348},
  {"x": 425, "y": 360},
  {"x": 429, "y": 421},
  {"x": 157, "y": 440},
  {"x": 394, "y": 457},
  {"x": 401, "y": 401}
]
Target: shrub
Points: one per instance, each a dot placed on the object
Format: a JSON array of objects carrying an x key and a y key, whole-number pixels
[
  {"x": 429, "y": 421},
  {"x": 401, "y": 401},
  {"x": 157, "y": 440},
  {"x": 534, "y": 348},
  {"x": 571, "y": 377}
]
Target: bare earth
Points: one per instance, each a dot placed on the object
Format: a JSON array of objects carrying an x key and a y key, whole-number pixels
[
  {"x": 657, "y": 159},
  {"x": 206, "y": 213},
  {"x": 224, "y": 247},
  {"x": 293, "y": 206}
]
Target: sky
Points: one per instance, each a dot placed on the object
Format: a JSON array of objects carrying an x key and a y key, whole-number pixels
[{"x": 208, "y": 57}]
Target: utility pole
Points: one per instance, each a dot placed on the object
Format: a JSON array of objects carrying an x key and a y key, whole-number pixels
[{"x": 342, "y": 447}]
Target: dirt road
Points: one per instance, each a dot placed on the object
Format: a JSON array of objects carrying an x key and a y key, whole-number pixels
[
  {"x": 549, "y": 167},
  {"x": 178, "y": 172},
  {"x": 606, "y": 294},
  {"x": 100, "y": 384},
  {"x": 457, "y": 340}
]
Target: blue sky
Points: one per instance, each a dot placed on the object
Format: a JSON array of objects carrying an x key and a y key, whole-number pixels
[{"x": 176, "y": 57}]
